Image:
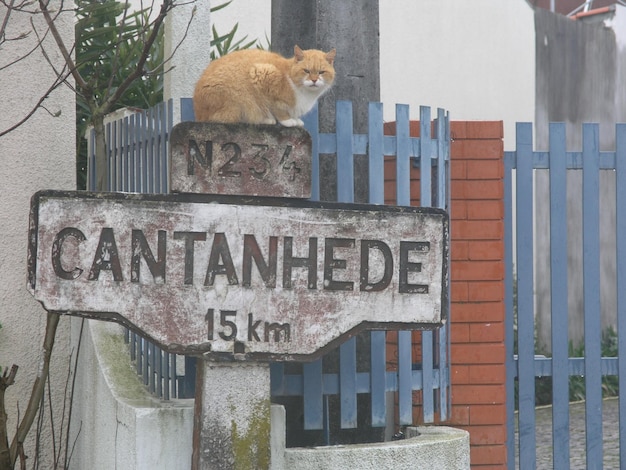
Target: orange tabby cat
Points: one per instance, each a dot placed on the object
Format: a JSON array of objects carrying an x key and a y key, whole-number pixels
[{"x": 260, "y": 87}]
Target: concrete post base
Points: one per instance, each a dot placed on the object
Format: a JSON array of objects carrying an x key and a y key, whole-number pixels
[
  {"x": 232, "y": 416},
  {"x": 433, "y": 447}
]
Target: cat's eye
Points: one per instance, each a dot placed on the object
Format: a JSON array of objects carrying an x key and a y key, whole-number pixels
[
  {"x": 307, "y": 71},
  {"x": 321, "y": 72}
]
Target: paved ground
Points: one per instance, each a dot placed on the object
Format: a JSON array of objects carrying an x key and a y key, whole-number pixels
[{"x": 610, "y": 434}]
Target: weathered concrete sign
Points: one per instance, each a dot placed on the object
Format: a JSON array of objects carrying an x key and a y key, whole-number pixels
[
  {"x": 263, "y": 278},
  {"x": 240, "y": 159}
]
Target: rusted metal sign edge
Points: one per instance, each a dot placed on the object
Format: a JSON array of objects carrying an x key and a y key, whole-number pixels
[
  {"x": 231, "y": 199},
  {"x": 221, "y": 322}
]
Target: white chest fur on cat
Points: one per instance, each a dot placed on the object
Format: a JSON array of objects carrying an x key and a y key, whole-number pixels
[{"x": 306, "y": 97}]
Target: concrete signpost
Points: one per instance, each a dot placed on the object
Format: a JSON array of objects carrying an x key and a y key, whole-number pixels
[{"x": 239, "y": 280}]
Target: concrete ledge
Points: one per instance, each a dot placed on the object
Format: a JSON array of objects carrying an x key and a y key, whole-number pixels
[
  {"x": 117, "y": 423},
  {"x": 437, "y": 447}
]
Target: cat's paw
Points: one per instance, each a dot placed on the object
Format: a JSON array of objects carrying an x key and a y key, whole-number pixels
[
  {"x": 268, "y": 121},
  {"x": 292, "y": 122}
]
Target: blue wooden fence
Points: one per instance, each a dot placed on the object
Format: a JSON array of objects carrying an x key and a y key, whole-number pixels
[
  {"x": 138, "y": 162},
  {"x": 524, "y": 366}
]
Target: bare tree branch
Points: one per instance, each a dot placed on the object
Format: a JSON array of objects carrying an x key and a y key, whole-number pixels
[
  {"x": 59, "y": 40},
  {"x": 67, "y": 457},
  {"x": 23, "y": 56},
  {"x": 6, "y": 19},
  {"x": 7, "y": 379},
  {"x": 38, "y": 387},
  {"x": 116, "y": 58},
  {"x": 55, "y": 85},
  {"x": 166, "y": 6}
]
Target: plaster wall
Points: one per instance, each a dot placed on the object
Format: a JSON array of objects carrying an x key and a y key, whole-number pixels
[
  {"x": 40, "y": 154},
  {"x": 580, "y": 78},
  {"x": 475, "y": 59}
]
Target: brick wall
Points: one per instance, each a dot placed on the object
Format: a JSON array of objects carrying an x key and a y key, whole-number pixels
[{"x": 477, "y": 285}]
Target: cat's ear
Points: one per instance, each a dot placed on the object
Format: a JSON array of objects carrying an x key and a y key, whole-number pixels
[
  {"x": 298, "y": 54},
  {"x": 330, "y": 56}
]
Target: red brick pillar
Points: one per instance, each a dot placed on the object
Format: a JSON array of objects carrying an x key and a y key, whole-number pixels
[
  {"x": 477, "y": 290},
  {"x": 477, "y": 285}
]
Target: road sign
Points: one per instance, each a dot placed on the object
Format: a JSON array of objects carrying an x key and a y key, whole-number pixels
[{"x": 239, "y": 276}]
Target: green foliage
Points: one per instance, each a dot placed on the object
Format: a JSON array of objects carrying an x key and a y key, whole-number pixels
[
  {"x": 610, "y": 384},
  {"x": 109, "y": 43},
  {"x": 223, "y": 44}
]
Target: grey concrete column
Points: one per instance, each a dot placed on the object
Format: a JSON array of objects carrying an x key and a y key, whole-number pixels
[
  {"x": 232, "y": 416},
  {"x": 188, "y": 32},
  {"x": 352, "y": 27}
]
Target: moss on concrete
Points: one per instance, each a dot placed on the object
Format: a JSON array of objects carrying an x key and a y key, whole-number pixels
[
  {"x": 123, "y": 380},
  {"x": 251, "y": 449}
]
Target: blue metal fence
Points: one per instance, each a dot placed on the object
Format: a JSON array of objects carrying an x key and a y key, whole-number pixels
[
  {"x": 525, "y": 366},
  {"x": 137, "y": 148}
]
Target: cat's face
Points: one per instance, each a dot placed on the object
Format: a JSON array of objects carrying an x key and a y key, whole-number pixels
[{"x": 313, "y": 70}]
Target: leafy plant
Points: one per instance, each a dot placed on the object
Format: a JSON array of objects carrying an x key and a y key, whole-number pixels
[
  {"x": 109, "y": 44},
  {"x": 610, "y": 383},
  {"x": 226, "y": 43}
]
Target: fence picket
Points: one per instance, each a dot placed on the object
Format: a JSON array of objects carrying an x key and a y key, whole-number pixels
[
  {"x": 525, "y": 308},
  {"x": 558, "y": 280},
  {"x": 311, "y": 123},
  {"x": 313, "y": 395},
  {"x": 132, "y": 150},
  {"x": 443, "y": 144},
  {"x": 403, "y": 160},
  {"x": 378, "y": 382},
  {"x": 443, "y": 185},
  {"x": 376, "y": 160},
  {"x": 143, "y": 153},
  {"x": 109, "y": 157},
  {"x": 620, "y": 227},
  {"x": 376, "y": 170},
  {"x": 405, "y": 378},
  {"x": 425, "y": 160},
  {"x": 125, "y": 157},
  {"x": 347, "y": 383},
  {"x": 425, "y": 200},
  {"x": 119, "y": 155},
  {"x": 591, "y": 286},
  {"x": 509, "y": 320},
  {"x": 345, "y": 153}
]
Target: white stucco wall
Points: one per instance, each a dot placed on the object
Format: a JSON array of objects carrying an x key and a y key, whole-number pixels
[
  {"x": 38, "y": 155},
  {"x": 254, "y": 19},
  {"x": 475, "y": 59}
]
